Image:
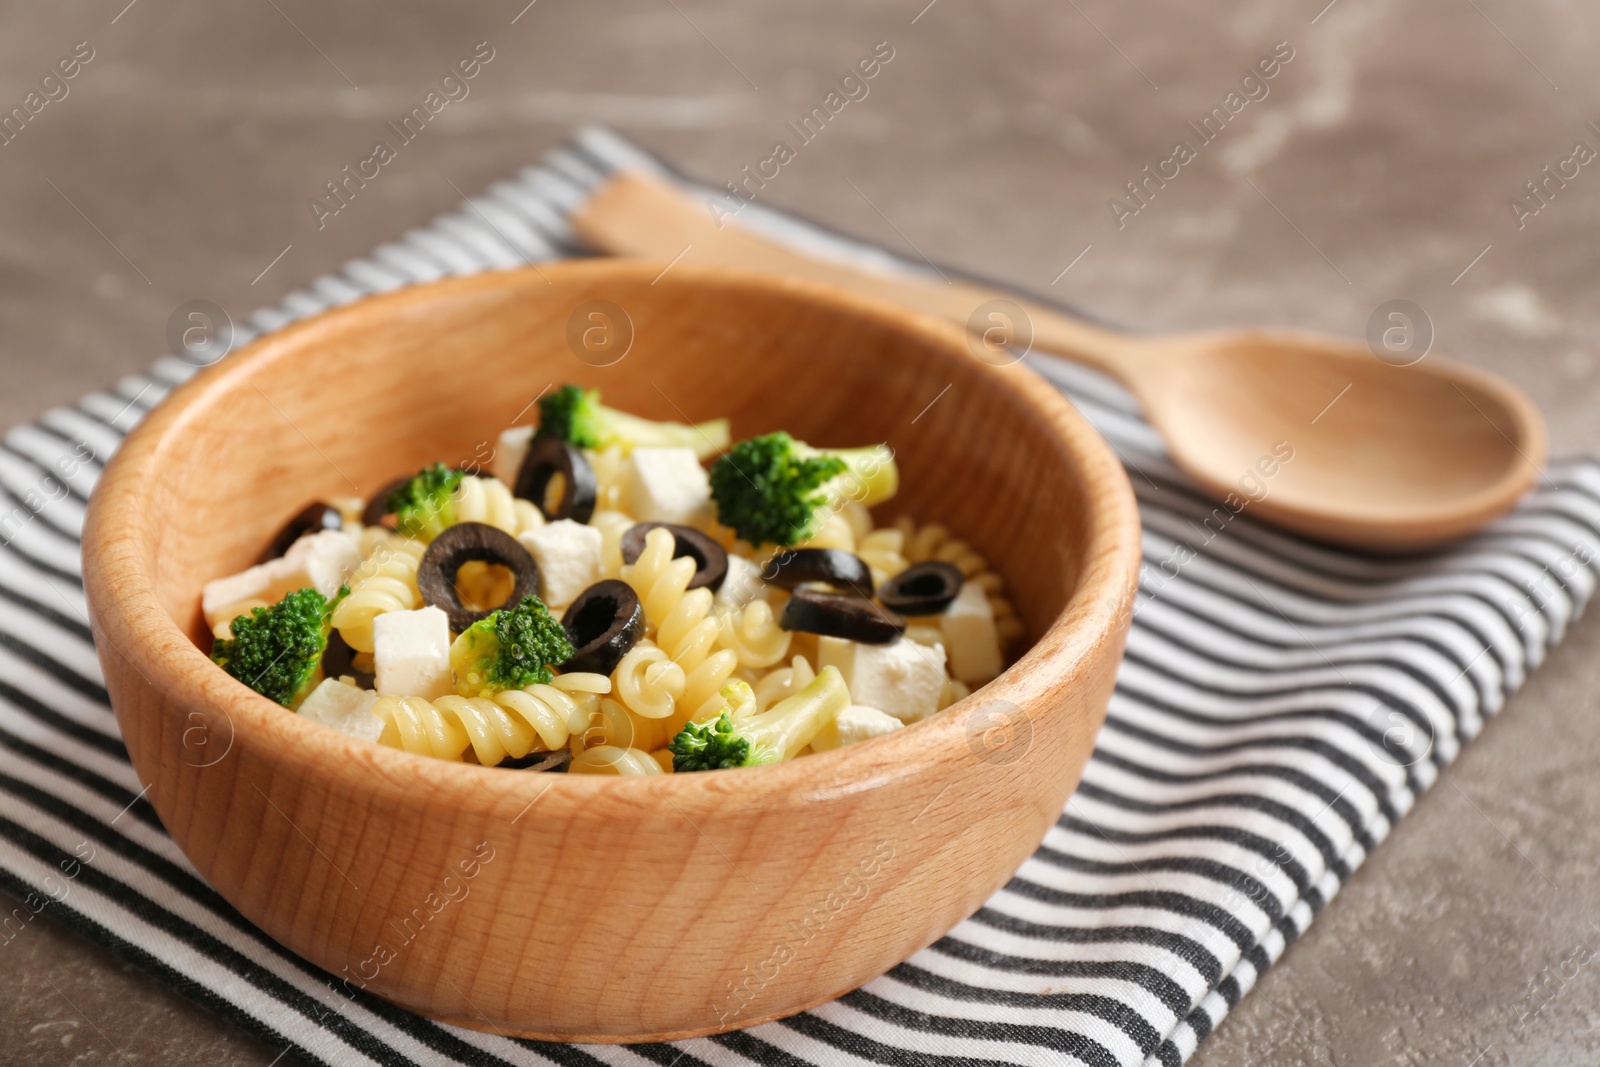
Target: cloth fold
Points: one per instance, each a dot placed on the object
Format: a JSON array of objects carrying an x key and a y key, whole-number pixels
[{"x": 1282, "y": 704}]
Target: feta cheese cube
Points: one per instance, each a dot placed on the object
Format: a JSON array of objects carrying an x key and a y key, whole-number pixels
[
  {"x": 568, "y": 555},
  {"x": 903, "y": 678},
  {"x": 411, "y": 653},
  {"x": 221, "y": 595},
  {"x": 665, "y": 485},
  {"x": 970, "y": 636},
  {"x": 509, "y": 452},
  {"x": 855, "y": 723},
  {"x": 320, "y": 561},
  {"x": 344, "y": 708},
  {"x": 741, "y": 585}
]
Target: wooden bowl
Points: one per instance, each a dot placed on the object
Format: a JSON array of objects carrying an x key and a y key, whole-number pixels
[{"x": 584, "y": 908}]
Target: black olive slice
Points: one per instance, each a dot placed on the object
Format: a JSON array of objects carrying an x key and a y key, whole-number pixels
[
  {"x": 852, "y": 617},
  {"x": 436, "y": 575},
  {"x": 338, "y": 660},
  {"x": 603, "y": 624},
  {"x": 796, "y": 566},
  {"x": 314, "y": 518},
  {"x": 710, "y": 558},
  {"x": 548, "y": 458},
  {"x": 377, "y": 508},
  {"x": 925, "y": 588}
]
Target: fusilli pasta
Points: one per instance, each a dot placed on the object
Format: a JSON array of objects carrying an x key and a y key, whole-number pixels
[
  {"x": 612, "y": 525},
  {"x": 489, "y": 501},
  {"x": 934, "y": 541},
  {"x": 686, "y": 628},
  {"x": 385, "y": 581},
  {"x": 754, "y": 635},
  {"x": 509, "y": 724},
  {"x": 626, "y": 762},
  {"x": 783, "y": 682},
  {"x": 647, "y": 681},
  {"x": 608, "y": 466}
]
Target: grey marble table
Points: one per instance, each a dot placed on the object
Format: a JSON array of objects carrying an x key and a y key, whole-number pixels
[{"x": 1383, "y": 162}]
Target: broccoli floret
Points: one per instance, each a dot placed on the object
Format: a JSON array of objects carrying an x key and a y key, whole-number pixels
[
  {"x": 577, "y": 417},
  {"x": 775, "y": 734},
  {"x": 509, "y": 649},
  {"x": 423, "y": 507},
  {"x": 277, "y": 650},
  {"x": 774, "y": 489}
]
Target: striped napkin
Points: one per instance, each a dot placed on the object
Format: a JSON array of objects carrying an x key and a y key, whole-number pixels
[{"x": 1281, "y": 706}]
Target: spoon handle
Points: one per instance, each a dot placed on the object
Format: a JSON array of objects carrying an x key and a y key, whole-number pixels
[{"x": 633, "y": 214}]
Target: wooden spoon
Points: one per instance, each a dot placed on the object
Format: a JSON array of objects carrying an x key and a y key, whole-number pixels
[{"x": 1316, "y": 435}]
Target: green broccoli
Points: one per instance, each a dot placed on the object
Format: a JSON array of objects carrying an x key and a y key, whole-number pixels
[
  {"x": 774, "y": 489},
  {"x": 779, "y": 733},
  {"x": 277, "y": 650},
  {"x": 509, "y": 649},
  {"x": 577, "y": 417},
  {"x": 423, "y": 507}
]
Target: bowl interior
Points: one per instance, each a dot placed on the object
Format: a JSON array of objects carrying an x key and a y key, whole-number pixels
[{"x": 344, "y": 403}]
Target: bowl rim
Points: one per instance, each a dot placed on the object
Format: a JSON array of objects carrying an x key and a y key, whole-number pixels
[{"x": 130, "y": 616}]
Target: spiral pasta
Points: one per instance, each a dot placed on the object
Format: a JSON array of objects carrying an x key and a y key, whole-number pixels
[
  {"x": 612, "y": 525},
  {"x": 753, "y": 634},
  {"x": 510, "y": 724},
  {"x": 483, "y": 585},
  {"x": 611, "y": 723},
  {"x": 625, "y": 762},
  {"x": 608, "y": 466},
  {"x": 489, "y": 501},
  {"x": 835, "y": 531},
  {"x": 385, "y": 581},
  {"x": 880, "y": 550},
  {"x": 934, "y": 541},
  {"x": 686, "y": 628},
  {"x": 647, "y": 681},
  {"x": 783, "y": 682}
]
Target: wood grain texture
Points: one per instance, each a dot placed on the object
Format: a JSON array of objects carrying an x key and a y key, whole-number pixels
[
  {"x": 599, "y": 908},
  {"x": 1384, "y": 457}
]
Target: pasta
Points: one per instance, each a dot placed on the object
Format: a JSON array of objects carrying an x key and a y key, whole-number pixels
[
  {"x": 510, "y": 724},
  {"x": 647, "y": 681},
  {"x": 487, "y": 500},
  {"x": 608, "y": 474},
  {"x": 626, "y": 762},
  {"x": 881, "y": 551},
  {"x": 612, "y": 525},
  {"x": 725, "y": 640},
  {"x": 783, "y": 682},
  {"x": 754, "y": 635},
  {"x": 686, "y": 629},
  {"x": 385, "y": 581},
  {"x": 934, "y": 541}
]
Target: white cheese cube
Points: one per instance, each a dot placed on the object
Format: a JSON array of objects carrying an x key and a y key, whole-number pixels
[
  {"x": 741, "y": 585},
  {"x": 903, "y": 678},
  {"x": 320, "y": 561},
  {"x": 509, "y": 452},
  {"x": 568, "y": 555},
  {"x": 970, "y": 636},
  {"x": 666, "y": 485},
  {"x": 855, "y": 723},
  {"x": 344, "y": 708},
  {"x": 411, "y": 653},
  {"x": 222, "y": 594}
]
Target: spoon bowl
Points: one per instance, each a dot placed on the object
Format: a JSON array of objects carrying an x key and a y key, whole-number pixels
[
  {"x": 1322, "y": 438},
  {"x": 1315, "y": 435}
]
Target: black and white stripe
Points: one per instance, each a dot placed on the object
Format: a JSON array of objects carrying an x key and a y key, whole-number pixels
[{"x": 1281, "y": 706}]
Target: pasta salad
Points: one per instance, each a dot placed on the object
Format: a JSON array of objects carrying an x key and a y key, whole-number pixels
[{"x": 615, "y": 595}]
